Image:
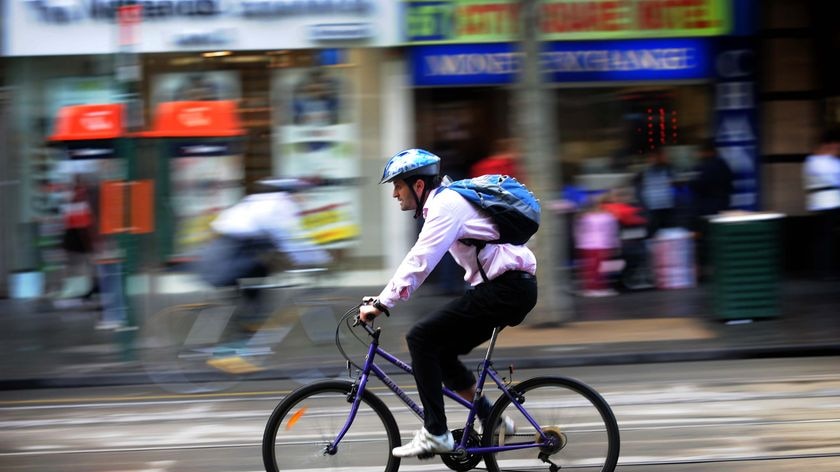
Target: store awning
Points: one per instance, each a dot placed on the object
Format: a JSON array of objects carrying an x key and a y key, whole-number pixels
[
  {"x": 88, "y": 122},
  {"x": 192, "y": 119}
]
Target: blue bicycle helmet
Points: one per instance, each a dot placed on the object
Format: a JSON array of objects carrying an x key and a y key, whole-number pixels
[{"x": 409, "y": 163}]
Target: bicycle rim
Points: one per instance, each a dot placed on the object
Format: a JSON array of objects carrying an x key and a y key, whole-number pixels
[
  {"x": 571, "y": 412},
  {"x": 178, "y": 348},
  {"x": 309, "y": 419}
]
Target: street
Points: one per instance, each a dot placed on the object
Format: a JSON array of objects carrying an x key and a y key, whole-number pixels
[{"x": 768, "y": 414}]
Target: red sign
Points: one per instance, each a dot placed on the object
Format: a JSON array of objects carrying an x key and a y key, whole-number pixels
[{"x": 89, "y": 122}]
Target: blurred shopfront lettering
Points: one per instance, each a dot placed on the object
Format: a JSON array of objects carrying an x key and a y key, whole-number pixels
[
  {"x": 564, "y": 61},
  {"x": 475, "y": 21},
  {"x": 106, "y": 10},
  {"x": 41, "y": 27}
]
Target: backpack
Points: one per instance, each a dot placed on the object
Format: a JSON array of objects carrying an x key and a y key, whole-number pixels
[{"x": 509, "y": 203}]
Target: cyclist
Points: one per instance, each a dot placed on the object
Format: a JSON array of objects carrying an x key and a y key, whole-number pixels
[
  {"x": 436, "y": 341},
  {"x": 250, "y": 232}
]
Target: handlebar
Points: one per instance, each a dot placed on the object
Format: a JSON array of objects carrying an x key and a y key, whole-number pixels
[{"x": 384, "y": 309}]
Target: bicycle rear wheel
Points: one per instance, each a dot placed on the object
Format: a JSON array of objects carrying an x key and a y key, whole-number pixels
[
  {"x": 575, "y": 416},
  {"x": 309, "y": 419}
]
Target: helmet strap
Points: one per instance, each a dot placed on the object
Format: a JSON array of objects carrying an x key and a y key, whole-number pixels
[{"x": 419, "y": 199}]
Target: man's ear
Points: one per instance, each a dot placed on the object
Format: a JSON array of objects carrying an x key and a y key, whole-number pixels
[{"x": 419, "y": 186}]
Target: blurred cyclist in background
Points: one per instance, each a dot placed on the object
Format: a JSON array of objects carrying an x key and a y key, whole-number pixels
[
  {"x": 251, "y": 233},
  {"x": 436, "y": 341}
]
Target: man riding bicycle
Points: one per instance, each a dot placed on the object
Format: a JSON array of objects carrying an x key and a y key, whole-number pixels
[
  {"x": 250, "y": 233},
  {"x": 504, "y": 298}
]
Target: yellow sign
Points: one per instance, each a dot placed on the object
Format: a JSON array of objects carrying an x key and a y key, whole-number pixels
[{"x": 476, "y": 21}]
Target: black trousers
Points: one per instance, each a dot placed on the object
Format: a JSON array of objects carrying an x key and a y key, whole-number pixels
[{"x": 436, "y": 341}]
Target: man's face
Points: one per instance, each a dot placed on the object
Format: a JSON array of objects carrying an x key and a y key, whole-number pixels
[{"x": 403, "y": 193}]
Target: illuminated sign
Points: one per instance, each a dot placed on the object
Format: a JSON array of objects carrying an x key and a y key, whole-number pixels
[
  {"x": 41, "y": 27},
  {"x": 736, "y": 119},
  {"x": 583, "y": 61},
  {"x": 475, "y": 21}
]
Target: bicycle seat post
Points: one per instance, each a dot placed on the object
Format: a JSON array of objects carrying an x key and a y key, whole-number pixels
[{"x": 490, "y": 348}]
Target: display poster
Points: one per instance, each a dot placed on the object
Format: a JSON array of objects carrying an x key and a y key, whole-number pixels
[
  {"x": 316, "y": 137},
  {"x": 206, "y": 178}
]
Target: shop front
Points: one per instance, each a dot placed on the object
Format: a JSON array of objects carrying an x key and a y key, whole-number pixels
[
  {"x": 303, "y": 78},
  {"x": 626, "y": 79}
]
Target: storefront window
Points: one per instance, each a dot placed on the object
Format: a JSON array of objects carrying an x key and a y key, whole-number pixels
[{"x": 605, "y": 134}]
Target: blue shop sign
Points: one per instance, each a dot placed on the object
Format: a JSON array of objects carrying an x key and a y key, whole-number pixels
[{"x": 567, "y": 61}]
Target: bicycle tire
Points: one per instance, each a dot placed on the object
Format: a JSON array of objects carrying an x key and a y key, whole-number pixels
[
  {"x": 173, "y": 360},
  {"x": 301, "y": 426},
  {"x": 566, "y": 408}
]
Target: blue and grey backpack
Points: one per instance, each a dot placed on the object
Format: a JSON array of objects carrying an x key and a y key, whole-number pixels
[{"x": 509, "y": 203}]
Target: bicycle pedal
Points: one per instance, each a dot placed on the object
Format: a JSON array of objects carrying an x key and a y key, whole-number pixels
[{"x": 426, "y": 455}]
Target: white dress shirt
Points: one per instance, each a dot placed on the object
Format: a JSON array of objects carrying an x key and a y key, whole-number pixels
[
  {"x": 449, "y": 218},
  {"x": 821, "y": 173}
]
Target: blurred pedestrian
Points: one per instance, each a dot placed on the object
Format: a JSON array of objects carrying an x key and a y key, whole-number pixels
[
  {"x": 655, "y": 191},
  {"x": 503, "y": 160},
  {"x": 636, "y": 274},
  {"x": 712, "y": 185},
  {"x": 712, "y": 191},
  {"x": 79, "y": 241},
  {"x": 597, "y": 241},
  {"x": 821, "y": 175}
]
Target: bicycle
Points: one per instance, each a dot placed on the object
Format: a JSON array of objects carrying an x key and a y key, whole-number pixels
[
  {"x": 341, "y": 424},
  {"x": 209, "y": 346}
]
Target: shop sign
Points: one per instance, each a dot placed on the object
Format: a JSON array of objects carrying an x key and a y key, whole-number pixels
[
  {"x": 583, "y": 61},
  {"x": 41, "y": 27},
  {"x": 736, "y": 119},
  {"x": 475, "y": 21}
]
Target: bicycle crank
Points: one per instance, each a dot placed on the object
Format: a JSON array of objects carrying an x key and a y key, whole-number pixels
[{"x": 460, "y": 460}]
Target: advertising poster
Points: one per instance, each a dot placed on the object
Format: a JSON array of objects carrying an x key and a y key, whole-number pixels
[
  {"x": 206, "y": 178},
  {"x": 316, "y": 137}
]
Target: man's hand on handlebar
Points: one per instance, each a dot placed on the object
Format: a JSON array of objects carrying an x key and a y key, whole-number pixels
[{"x": 370, "y": 309}]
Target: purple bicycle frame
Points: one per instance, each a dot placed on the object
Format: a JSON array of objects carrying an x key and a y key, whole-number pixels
[{"x": 370, "y": 366}]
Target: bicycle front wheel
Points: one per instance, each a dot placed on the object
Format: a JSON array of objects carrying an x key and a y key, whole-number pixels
[
  {"x": 580, "y": 423},
  {"x": 305, "y": 424}
]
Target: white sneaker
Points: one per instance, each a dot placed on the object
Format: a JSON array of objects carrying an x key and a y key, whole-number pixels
[
  {"x": 425, "y": 444},
  {"x": 510, "y": 426},
  {"x": 508, "y": 430}
]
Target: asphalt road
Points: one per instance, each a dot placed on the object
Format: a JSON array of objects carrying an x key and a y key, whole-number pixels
[{"x": 751, "y": 415}]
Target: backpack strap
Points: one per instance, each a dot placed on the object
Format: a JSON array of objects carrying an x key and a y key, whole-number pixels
[{"x": 479, "y": 245}]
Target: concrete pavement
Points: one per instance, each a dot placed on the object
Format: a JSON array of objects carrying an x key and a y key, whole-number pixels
[{"x": 45, "y": 346}]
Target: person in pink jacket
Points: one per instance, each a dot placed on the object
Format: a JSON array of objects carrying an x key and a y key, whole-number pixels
[{"x": 596, "y": 239}]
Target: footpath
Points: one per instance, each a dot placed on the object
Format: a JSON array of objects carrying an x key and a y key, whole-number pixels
[{"x": 43, "y": 346}]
